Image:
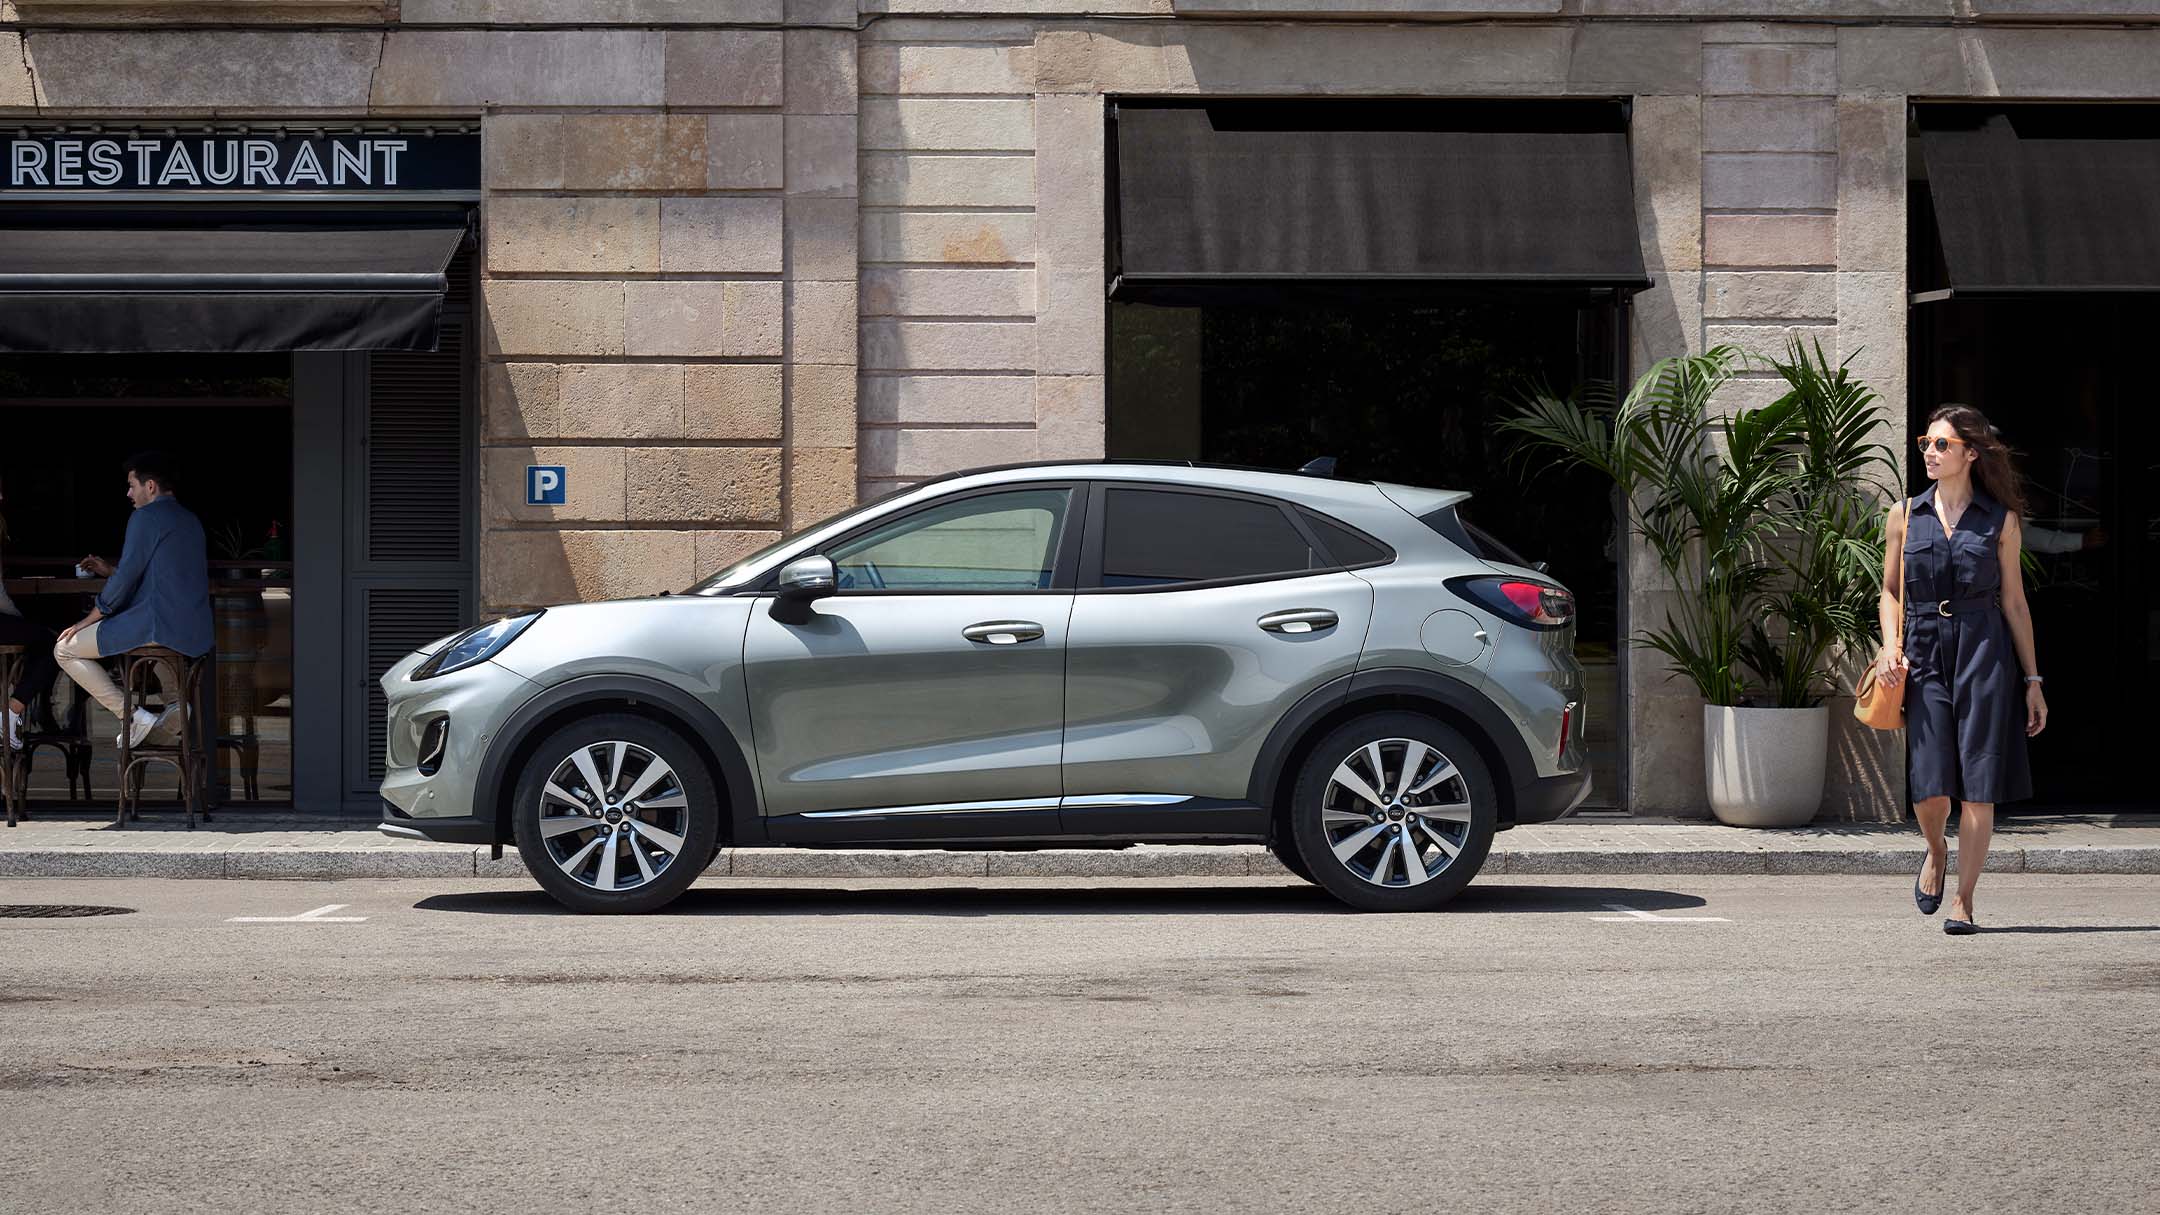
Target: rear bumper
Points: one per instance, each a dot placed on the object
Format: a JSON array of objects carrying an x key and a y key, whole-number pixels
[
  {"x": 452, "y": 830},
  {"x": 1548, "y": 797}
]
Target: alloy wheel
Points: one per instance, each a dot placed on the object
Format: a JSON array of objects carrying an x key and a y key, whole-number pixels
[
  {"x": 1396, "y": 812},
  {"x": 613, "y": 816}
]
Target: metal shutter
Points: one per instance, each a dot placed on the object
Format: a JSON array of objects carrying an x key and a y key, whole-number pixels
[
  {"x": 416, "y": 455},
  {"x": 413, "y": 577}
]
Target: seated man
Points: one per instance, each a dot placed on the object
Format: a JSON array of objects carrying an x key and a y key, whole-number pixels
[{"x": 159, "y": 594}]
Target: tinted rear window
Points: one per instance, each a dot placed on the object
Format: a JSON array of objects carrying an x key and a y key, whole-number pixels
[
  {"x": 1160, "y": 537},
  {"x": 1347, "y": 546},
  {"x": 1471, "y": 538}
]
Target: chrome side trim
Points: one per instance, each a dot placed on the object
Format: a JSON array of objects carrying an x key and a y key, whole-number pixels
[
  {"x": 1090, "y": 801},
  {"x": 398, "y": 832},
  {"x": 1025, "y": 803}
]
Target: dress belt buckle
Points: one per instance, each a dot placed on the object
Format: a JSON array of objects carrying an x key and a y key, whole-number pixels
[{"x": 1943, "y": 609}]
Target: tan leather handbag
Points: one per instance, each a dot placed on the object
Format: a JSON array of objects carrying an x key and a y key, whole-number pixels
[{"x": 1874, "y": 703}]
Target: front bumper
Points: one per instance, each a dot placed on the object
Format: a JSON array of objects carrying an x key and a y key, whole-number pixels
[
  {"x": 477, "y": 701},
  {"x": 1548, "y": 797}
]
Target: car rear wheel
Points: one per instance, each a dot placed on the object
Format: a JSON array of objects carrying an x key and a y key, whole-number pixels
[
  {"x": 1395, "y": 812},
  {"x": 616, "y": 814}
]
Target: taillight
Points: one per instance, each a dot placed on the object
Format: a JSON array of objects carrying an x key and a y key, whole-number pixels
[{"x": 1533, "y": 605}]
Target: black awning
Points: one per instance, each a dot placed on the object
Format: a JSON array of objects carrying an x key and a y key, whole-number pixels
[
  {"x": 232, "y": 284},
  {"x": 2045, "y": 198},
  {"x": 1484, "y": 193}
]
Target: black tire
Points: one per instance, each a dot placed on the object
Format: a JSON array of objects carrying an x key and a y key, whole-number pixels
[
  {"x": 1467, "y": 830},
  {"x": 1286, "y": 854},
  {"x": 633, "y": 831}
]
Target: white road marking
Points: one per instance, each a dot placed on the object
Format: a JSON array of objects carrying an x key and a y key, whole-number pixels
[
  {"x": 321, "y": 915},
  {"x": 1629, "y": 915}
]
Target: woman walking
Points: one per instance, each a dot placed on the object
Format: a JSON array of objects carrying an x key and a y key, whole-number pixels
[{"x": 1968, "y": 647}]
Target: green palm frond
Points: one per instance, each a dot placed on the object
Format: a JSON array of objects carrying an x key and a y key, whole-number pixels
[{"x": 1769, "y": 521}]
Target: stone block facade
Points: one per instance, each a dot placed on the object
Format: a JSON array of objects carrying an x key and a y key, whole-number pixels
[{"x": 747, "y": 260}]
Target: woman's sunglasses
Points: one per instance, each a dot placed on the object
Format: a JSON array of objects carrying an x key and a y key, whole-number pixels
[{"x": 1939, "y": 444}]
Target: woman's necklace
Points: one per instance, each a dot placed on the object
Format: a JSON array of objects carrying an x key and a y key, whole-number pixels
[{"x": 1950, "y": 521}]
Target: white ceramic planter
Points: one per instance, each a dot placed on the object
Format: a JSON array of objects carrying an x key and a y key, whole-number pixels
[{"x": 1765, "y": 767}]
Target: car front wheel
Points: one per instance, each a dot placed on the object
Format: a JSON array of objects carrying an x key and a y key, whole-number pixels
[
  {"x": 1394, "y": 812},
  {"x": 616, "y": 814}
]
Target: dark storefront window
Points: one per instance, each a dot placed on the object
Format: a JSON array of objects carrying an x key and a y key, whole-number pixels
[
  {"x": 1403, "y": 391},
  {"x": 69, "y": 422},
  {"x": 2035, "y": 299},
  {"x": 1375, "y": 280}
]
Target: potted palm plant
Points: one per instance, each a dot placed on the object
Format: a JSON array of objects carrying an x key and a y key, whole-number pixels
[{"x": 1767, "y": 521}]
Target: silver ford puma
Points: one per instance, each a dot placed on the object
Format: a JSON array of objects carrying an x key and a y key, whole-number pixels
[{"x": 1067, "y": 654}]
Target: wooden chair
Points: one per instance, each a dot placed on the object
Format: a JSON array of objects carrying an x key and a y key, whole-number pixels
[
  {"x": 43, "y": 728},
  {"x": 12, "y": 658},
  {"x": 179, "y": 678}
]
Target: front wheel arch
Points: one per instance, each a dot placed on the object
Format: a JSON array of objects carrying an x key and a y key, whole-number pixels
[{"x": 664, "y": 705}]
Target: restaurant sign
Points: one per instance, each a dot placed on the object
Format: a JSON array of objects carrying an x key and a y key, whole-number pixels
[{"x": 354, "y": 163}]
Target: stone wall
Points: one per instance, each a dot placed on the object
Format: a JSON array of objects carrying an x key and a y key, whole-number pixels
[
  {"x": 668, "y": 301},
  {"x": 740, "y": 268}
]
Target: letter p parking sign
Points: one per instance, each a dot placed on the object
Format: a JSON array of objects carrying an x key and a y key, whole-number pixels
[{"x": 546, "y": 485}]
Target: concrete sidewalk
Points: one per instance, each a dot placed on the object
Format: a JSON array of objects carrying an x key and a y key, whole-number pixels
[{"x": 242, "y": 845}]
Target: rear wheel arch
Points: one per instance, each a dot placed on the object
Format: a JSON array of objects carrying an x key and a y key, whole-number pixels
[
  {"x": 1444, "y": 699},
  {"x": 590, "y": 696}
]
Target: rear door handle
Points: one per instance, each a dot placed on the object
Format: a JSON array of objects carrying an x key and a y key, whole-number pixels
[
  {"x": 1003, "y": 632},
  {"x": 1298, "y": 620}
]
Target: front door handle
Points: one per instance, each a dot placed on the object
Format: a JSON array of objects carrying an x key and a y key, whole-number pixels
[
  {"x": 1298, "y": 620},
  {"x": 1003, "y": 632}
]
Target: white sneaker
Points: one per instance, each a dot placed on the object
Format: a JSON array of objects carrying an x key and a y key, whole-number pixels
[
  {"x": 145, "y": 721},
  {"x": 167, "y": 729}
]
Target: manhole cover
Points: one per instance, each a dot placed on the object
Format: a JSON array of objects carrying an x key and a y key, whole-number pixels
[{"x": 56, "y": 911}]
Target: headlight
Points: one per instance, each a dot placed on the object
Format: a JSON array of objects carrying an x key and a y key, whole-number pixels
[{"x": 475, "y": 646}]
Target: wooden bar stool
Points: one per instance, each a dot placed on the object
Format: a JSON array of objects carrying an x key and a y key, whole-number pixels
[
  {"x": 12, "y": 658},
  {"x": 180, "y": 681},
  {"x": 65, "y": 733}
]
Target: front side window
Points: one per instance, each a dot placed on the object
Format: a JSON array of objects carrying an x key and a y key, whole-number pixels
[
  {"x": 1163, "y": 537},
  {"x": 999, "y": 542}
]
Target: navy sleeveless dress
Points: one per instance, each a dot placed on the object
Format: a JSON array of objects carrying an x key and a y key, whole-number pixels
[{"x": 1965, "y": 701}]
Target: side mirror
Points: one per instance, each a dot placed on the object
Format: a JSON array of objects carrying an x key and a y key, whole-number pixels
[{"x": 802, "y": 582}]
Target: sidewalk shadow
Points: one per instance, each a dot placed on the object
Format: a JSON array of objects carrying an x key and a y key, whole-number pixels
[{"x": 977, "y": 901}]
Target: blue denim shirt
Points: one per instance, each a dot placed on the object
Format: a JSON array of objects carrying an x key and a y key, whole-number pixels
[{"x": 159, "y": 593}]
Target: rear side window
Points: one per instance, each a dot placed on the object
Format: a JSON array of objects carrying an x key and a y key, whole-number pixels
[
  {"x": 1161, "y": 538},
  {"x": 1471, "y": 538},
  {"x": 1346, "y": 546}
]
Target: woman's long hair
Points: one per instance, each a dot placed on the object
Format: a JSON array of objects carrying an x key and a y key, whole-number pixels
[{"x": 1996, "y": 470}]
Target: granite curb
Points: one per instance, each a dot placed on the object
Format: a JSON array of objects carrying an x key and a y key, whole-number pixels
[{"x": 1139, "y": 862}]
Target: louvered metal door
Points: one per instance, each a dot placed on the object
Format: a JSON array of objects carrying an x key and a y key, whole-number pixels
[{"x": 410, "y": 572}]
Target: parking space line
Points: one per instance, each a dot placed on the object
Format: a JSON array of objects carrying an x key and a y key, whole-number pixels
[
  {"x": 321, "y": 915},
  {"x": 1630, "y": 915}
]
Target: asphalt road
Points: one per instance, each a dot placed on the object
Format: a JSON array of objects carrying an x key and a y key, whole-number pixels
[{"x": 1076, "y": 1045}]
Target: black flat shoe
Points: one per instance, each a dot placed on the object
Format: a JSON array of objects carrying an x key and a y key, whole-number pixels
[
  {"x": 1960, "y": 928},
  {"x": 1929, "y": 904}
]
